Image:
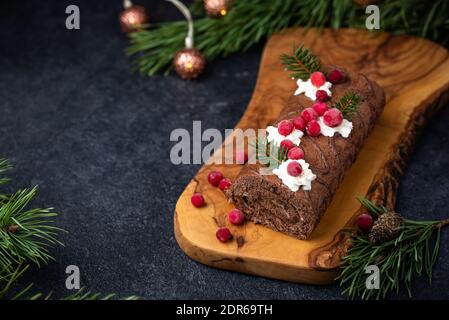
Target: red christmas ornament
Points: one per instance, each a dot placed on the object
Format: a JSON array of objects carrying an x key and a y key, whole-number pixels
[{"x": 133, "y": 17}]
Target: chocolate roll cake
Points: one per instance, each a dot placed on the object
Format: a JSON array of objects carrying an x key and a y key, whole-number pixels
[{"x": 271, "y": 201}]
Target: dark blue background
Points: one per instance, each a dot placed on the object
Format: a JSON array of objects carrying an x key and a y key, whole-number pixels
[{"x": 95, "y": 137}]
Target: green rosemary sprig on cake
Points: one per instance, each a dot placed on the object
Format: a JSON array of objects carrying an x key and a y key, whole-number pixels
[
  {"x": 301, "y": 63},
  {"x": 399, "y": 247},
  {"x": 348, "y": 104},
  {"x": 268, "y": 154}
]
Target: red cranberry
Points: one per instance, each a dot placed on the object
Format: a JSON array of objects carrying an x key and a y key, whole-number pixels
[
  {"x": 313, "y": 128},
  {"x": 333, "y": 117},
  {"x": 320, "y": 108},
  {"x": 224, "y": 184},
  {"x": 294, "y": 169},
  {"x": 318, "y": 79},
  {"x": 295, "y": 153},
  {"x": 365, "y": 221},
  {"x": 241, "y": 156},
  {"x": 299, "y": 123},
  {"x": 321, "y": 95},
  {"x": 308, "y": 114},
  {"x": 214, "y": 178},
  {"x": 197, "y": 200},
  {"x": 286, "y": 145},
  {"x": 285, "y": 127},
  {"x": 223, "y": 234},
  {"x": 235, "y": 216},
  {"x": 335, "y": 76}
]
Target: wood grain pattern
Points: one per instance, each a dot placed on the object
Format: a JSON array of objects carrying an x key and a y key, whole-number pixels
[{"x": 415, "y": 76}]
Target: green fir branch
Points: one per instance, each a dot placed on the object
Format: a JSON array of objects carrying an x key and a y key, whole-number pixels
[
  {"x": 413, "y": 252},
  {"x": 301, "y": 63},
  {"x": 26, "y": 234},
  {"x": 348, "y": 104},
  {"x": 250, "y": 21},
  {"x": 268, "y": 154}
]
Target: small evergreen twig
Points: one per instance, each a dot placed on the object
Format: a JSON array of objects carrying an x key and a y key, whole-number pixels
[
  {"x": 301, "y": 63},
  {"x": 269, "y": 154},
  {"x": 348, "y": 104},
  {"x": 413, "y": 251}
]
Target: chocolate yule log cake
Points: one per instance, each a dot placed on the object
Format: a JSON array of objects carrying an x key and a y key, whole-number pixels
[{"x": 321, "y": 130}]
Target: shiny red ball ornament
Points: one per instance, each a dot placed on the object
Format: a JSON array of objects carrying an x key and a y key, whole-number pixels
[
  {"x": 216, "y": 8},
  {"x": 189, "y": 63},
  {"x": 133, "y": 18}
]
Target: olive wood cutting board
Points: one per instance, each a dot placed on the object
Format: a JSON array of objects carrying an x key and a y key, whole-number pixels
[{"x": 414, "y": 73}]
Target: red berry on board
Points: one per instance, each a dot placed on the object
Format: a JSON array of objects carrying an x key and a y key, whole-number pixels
[
  {"x": 333, "y": 117},
  {"x": 197, "y": 200},
  {"x": 320, "y": 108},
  {"x": 299, "y": 123},
  {"x": 214, "y": 178},
  {"x": 308, "y": 114},
  {"x": 295, "y": 153},
  {"x": 241, "y": 156},
  {"x": 365, "y": 221},
  {"x": 223, "y": 234},
  {"x": 335, "y": 76},
  {"x": 321, "y": 95},
  {"x": 224, "y": 184},
  {"x": 235, "y": 216},
  {"x": 285, "y": 127},
  {"x": 294, "y": 169},
  {"x": 317, "y": 78},
  {"x": 286, "y": 145},
  {"x": 313, "y": 128}
]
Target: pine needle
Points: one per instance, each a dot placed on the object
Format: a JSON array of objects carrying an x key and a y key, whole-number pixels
[
  {"x": 348, "y": 104},
  {"x": 301, "y": 63}
]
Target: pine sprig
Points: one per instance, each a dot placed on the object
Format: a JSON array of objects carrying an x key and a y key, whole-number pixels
[
  {"x": 248, "y": 22},
  {"x": 268, "y": 154},
  {"x": 348, "y": 104},
  {"x": 25, "y": 234},
  {"x": 301, "y": 63},
  {"x": 413, "y": 252}
]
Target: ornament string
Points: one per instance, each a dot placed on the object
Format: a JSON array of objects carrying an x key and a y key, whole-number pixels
[{"x": 188, "y": 16}]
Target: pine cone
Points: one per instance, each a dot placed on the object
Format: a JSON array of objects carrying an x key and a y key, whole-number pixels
[{"x": 386, "y": 227}]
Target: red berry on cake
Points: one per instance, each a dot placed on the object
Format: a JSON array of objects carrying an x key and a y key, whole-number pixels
[
  {"x": 295, "y": 153},
  {"x": 224, "y": 184},
  {"x": 318, "y": 79},
  {"x": 299, "y": 123},
  {"x": 333, "y": 117},
  {"x": 308, "y": 114},
  {"x": 294, "y": 169},
  {"x": 240, "y": 156},
  {"x": 285, "y": 127},
  {"x": 335, "y": 76},
  {"x": 197, "y": 200},
  {"x": 365, "y": 221},
  {"x": 286, "y": 145},
  {"x": 214, "y": 178},
  {"x": 313, "y": 128},
  {"x": 321, "y": 95},
  {"x": 223, "y": 234},
  {"x": 320, "y": 108},
  {"x": 235, "y": 216}
]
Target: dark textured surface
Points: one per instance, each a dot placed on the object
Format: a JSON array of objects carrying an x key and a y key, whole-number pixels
[{"x": 95, "y": 137}]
